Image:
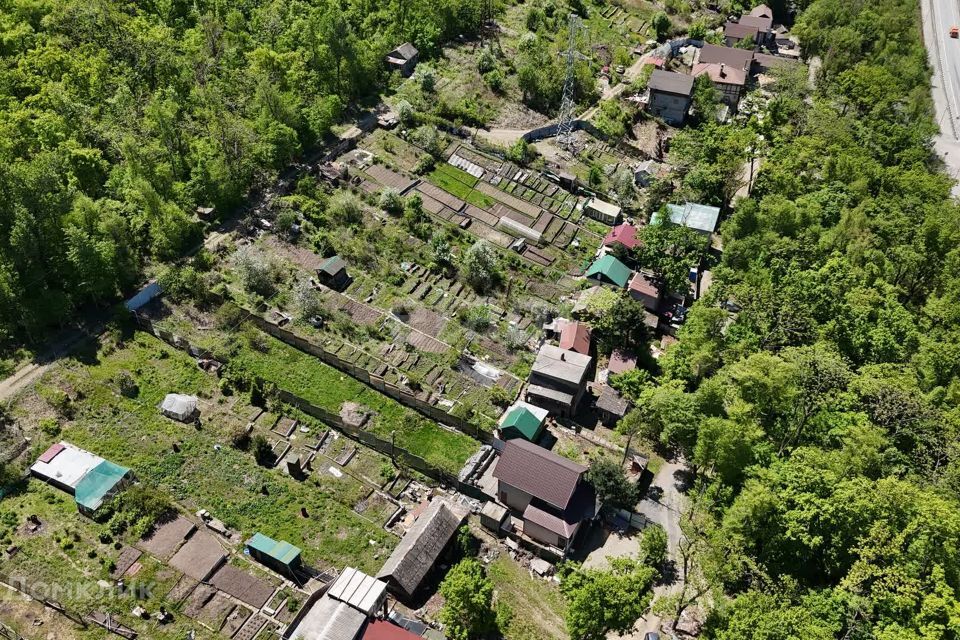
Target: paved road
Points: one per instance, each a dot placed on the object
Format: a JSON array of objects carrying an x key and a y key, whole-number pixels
[{"x": 944, "y": 54}]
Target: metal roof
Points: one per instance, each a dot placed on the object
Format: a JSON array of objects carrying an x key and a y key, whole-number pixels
[
  {"x": 333, "y": 265},
  {"x": 736, "y": 30},
  {"x": 98, "y": 483},
  {"x": 611, "y": 269},
  {"x": 695, "y": 216},
  {"x": 281, "y": 551},
  {"x": 670, "y": 82},
  {"x": 575, "y": 336},
  {"x": 523, "y": 421},
  {"x": 539, "y": 472},
  {"x": 330, "y": 619},
  {"x": 360, "y": 591},
  {"x": 721, "y": 73},
  {"x": 606, "y": 208},
  {"x": 65, "y": 464},
  {"x": 730, "y": 56}
]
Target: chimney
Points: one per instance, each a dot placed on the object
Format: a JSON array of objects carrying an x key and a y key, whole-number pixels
[
  {"x": 563, "y": 357},
  {"x": 723, "y": 71}
]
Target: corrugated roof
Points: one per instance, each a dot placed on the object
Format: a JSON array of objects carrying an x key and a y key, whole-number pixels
[
  {"x": 360, "y": 591},
  {"x": 539, "y": 472},
  {"x": 730, "y": 56},
  {"x": 737, "y": 30},
  {"x": 695, "y": 216},
  {"x": 762, "y": 10},
  {"x": 645, "y": 284},
  {"x": 625, "y": 234},
  {"x": 383, "y": 630},
  {"x": 762, "y": 23},
  {"x": 98, "y": 483},
  {"x": 540, "y": 391},
  {"x": 612, "y": 402},
  {"x": 721, "y": 73},
  {"x": 575, "y": 336},
  {"x": 670, "y": 82},
  {"x": 406, "y": 51},
  {"x": 65, "y": 464},
  {"x": 549, "y": 521},
  {"x": 604, "y": 207},
  {"x": 333, "y": 265},
  {"x": 523, "y": 421},
  {"x": 330, "y": 619},
  {"x": 610, "y": 269},
  {"x": 621, "y": 361},
  {"x": 281, "y": 551},
  {"x": 420, "y": 548}
]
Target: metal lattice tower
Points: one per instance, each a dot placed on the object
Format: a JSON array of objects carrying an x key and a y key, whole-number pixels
[{"x": 568, "y": 104}]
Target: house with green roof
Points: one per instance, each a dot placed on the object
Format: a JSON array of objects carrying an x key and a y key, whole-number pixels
[
  {"x": 99, "y": 485},
  {"x": 608, "y": 270},
  {"x": 279, "y": 555},
  {"x": 333, "y": 273},
  {"x": 522, "y": 420}
]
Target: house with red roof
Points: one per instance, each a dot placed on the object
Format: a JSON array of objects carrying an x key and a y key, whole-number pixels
[
  {"x": 575, "y": 336},
  {"x": 623, "y": 234}
]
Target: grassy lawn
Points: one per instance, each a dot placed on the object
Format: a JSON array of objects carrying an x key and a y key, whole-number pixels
[
  {"x": 537, "y": 604},
  {"x": 460, "y": 184},
  {"x": 308, "y": 377},
  {"x": 65, "y": 559},
  {"x": 205, "y": 471}
]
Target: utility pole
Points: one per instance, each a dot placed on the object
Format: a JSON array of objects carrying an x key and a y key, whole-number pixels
[{"x": 568, "y": 104}]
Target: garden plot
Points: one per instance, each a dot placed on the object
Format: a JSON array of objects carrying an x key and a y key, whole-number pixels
[
  {"x": 390, "y": 179},
  {"x": 241, "y": 585}
]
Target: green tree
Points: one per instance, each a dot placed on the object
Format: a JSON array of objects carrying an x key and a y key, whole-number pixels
[
  {"x": 481, "y": 267},
  {"x": 660, "y": 23},
  {"x": 467, "y": 610},
  {"x": 612, "y": 485},
  {"x": 601, "y": 601},
  {"x": 622, "y": 327}
]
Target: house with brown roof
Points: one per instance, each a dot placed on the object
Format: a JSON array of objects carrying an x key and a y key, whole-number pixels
[
  {"x": 548, "y": 493},
  {"x": 763, "y": 25},
  {"x": 421, "y": 548},
  {"x": 734, "y": 32},
  {"x": 576, "y": 336},
  {"x": 644, "y": 289},
  {"x": 729, "y": 81},
  {"x": 669, "y": 95}
]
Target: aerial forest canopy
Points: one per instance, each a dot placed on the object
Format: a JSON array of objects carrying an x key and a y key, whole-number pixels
[
  {"x": 823, "y": 414},
  {"x": 117, "y": 119}
]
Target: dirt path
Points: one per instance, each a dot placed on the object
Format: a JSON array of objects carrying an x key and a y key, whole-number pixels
[{"x": 31, "y": 372}]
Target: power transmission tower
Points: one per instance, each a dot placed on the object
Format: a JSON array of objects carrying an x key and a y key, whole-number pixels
[{"x": 568, "y": 104}]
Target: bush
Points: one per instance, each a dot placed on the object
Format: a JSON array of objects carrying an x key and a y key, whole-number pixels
[
  {"x": 262, "y": 452},
  {"x": 50, "y": 426},
  {"x": 126, "y": 384}
]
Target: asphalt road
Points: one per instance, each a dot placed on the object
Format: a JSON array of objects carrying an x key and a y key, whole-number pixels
[{"x": 944, "y": 55}]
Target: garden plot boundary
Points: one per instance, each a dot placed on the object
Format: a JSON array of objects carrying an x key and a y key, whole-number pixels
[{"x": 396, "y": 453}]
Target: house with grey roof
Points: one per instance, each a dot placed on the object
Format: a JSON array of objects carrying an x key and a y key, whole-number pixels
[
  {"x": 558, "y": 379},
  {"x": 548, "y": 493},
  {"x": 343, "y": 612},
  {"x": 421, "y": 547},
  {"x": 403, "y": 59},
  {"x": 669, "y": 95}
]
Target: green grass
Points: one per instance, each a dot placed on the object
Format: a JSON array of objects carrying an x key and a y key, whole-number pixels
[
  {"x": 221, "y": 479},
  {"x": 537, "y": 605},
  {"x": 459, "y": 183},
  {"x": 307, "y": 377}
]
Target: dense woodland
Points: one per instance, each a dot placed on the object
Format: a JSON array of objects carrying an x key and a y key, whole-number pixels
[
  {"x": 118, "y": 119},
  {"x": 816, "y": 393}
]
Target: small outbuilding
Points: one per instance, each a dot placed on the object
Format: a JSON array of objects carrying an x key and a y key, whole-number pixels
[
  {"x": 623, "y": 234},
  {"x": 281, "y": 556},
  {"x": 403, "y": 59},
  {"x": 333, "y": 273},
  {"x": 179, "y": 406},
  {"x": 608, "y": 270},
  {"x": 421, "y": 548},
  {"x": 99, "y": 485},
  {"x": 605, "y": 212},
  {"x": 611, "y": 406},
  {"x": 494, "y": 516},
  {"x": 523, "y": 420},
  {"x": 645, "y": 290}
]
